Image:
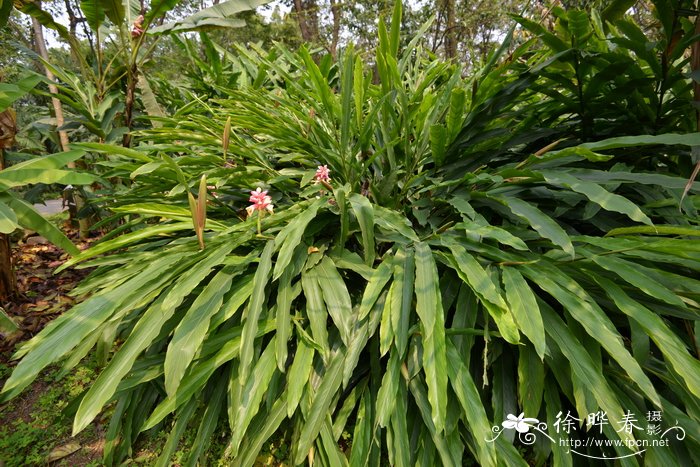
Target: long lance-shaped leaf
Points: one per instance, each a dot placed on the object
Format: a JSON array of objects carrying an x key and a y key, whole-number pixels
[
  {"x": 322, "y": 399},
  {"x": 596, "y": 323},
  {"x": 255, "y": 307},
  {"x": 429, "y": 310},
  {"x": 123, "y": 241},
  {"x": 190, "y": 333},
  {"x": 469, "y": 270},
  {"x": 336, "y": 297},
  {"x": 583, "y": 366},
  {"x": 142, "y": 336},
  {"x": 68, "y": 330},
  {"x": 18, "y": 177},
  {"x": 673, "y": 349},
  {"x": 599, "y": 195},
  {"x": 252, "y": 394},
  {"x": 226, "y": 347},
  {"x": 365, "y": 217},
  {"x": 524, "y": 307},
  {"x": 298, "y": 376},
  {"x": 290, "y": 237},
  {"x": 472, "y": 405},
  {"x": 636, "y": 275},
  {"x": 541, "y": 222},
  {"x": 176, "y": 433},
  {"x": 210, "y": 420},
  {"x": 375, "y": 285},
  {"x": 421, "y": 398},
  {"x": 28, "y": 217},
  {"x": 262, "y": 428},
  {"x": 315, "y": 310},
  {"x": 404, "y": 275}
]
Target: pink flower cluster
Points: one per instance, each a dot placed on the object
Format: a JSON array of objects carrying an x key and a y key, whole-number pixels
[
  {"x": 137, "y": 29},
  {"x": 323, "y": 174},
  {"x": 260, "y": 201}
]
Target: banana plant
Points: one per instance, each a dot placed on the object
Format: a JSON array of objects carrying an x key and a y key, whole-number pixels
[{"x": 16, "y": 213}]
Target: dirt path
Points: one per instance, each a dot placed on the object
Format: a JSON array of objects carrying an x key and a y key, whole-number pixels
[{"x": 50, "y": 207}]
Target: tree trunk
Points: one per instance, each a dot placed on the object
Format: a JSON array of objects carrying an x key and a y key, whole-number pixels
[
  {"x": 451, "y": 31},
  {"x": 40, "y": 44},
  {"x": 131, "y": 80},
  {"x": 307, "y": 16},
  {"x": 8, "y": 283},
  {"x": 335, "y": 34}
]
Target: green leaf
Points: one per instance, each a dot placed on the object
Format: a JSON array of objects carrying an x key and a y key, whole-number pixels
[
  {"x": 217, "y": 15},
  {"x": 143, "y": 334},
  {"x": 262, "y": 428},
  {"x": 432, "y": 320},
  {"x": 582, "y": 364},
  {"x": 531, "y": 372},
  {"x": 125, "y": 240},
  {"x": 209, "y": 422},
  {"x": 29, "y": 218},
  {"x": 541, "y": 222},
  {"x": 14, "y": 177},
  {"x": 253, "y": 312},
  {"x": 252, "y": 394},
  {"x": 190, "y": 333},
  {"x": 93, "y": 12},
  {"x": 393, "y": 221},
  {"x": 114, "y": 9},
  {"x": 7, "y": 325},
  {"x": 11, "y": 92},
  {"x": 594, "y": 320},
  {"x": 471, "y": 403},
  {"x": 375, "y": 285},
  {"x": 226, "y": 346},
  {"x": 330, "y": 383},
  {"x": 673, "y": 349},
  {"x": 315, "y": 310},
  {"x": 524, "y": 307},
  {"x": 638, "y": 276},
  {"x": 8, "y": 219},
  {"x": 471, "y": 272},
  {"x": 70, "y": 329},
  {"x": 336, "y": 297},
  {"x": 655, "y": 230},
  {"x": 598, "y": 194},
  {"x": 404, "y": 274},
  {"x": 290, "y": 237},
  {"x": 365, "y": 217},
  {"x": 298, "y": 375},
  {"x": 438, "y": 141},
  {"x": 159, "y": 8}
]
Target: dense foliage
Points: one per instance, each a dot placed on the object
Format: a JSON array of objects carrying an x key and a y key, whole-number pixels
[{"x": 518, "y": 242}]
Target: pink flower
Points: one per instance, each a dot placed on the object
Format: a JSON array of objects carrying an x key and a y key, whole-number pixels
[
  {"x": 137, "y": 28},
  {"x": 323, "y": 174},
  {"x": 260, "y": 202}
]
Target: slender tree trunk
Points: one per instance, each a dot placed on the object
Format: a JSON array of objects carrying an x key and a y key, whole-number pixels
[
  {"x": 336, "y": 10},
  {"x": 8, "y": 282},
  {"x": 132, "y": 79},
  {"x": 307, "y": 16},
  {"x": 451, "y": 31},
  {"x": 40, "y": 44}
]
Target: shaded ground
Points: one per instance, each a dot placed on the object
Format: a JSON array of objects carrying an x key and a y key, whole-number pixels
[{"x": 32, "y": 428}]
